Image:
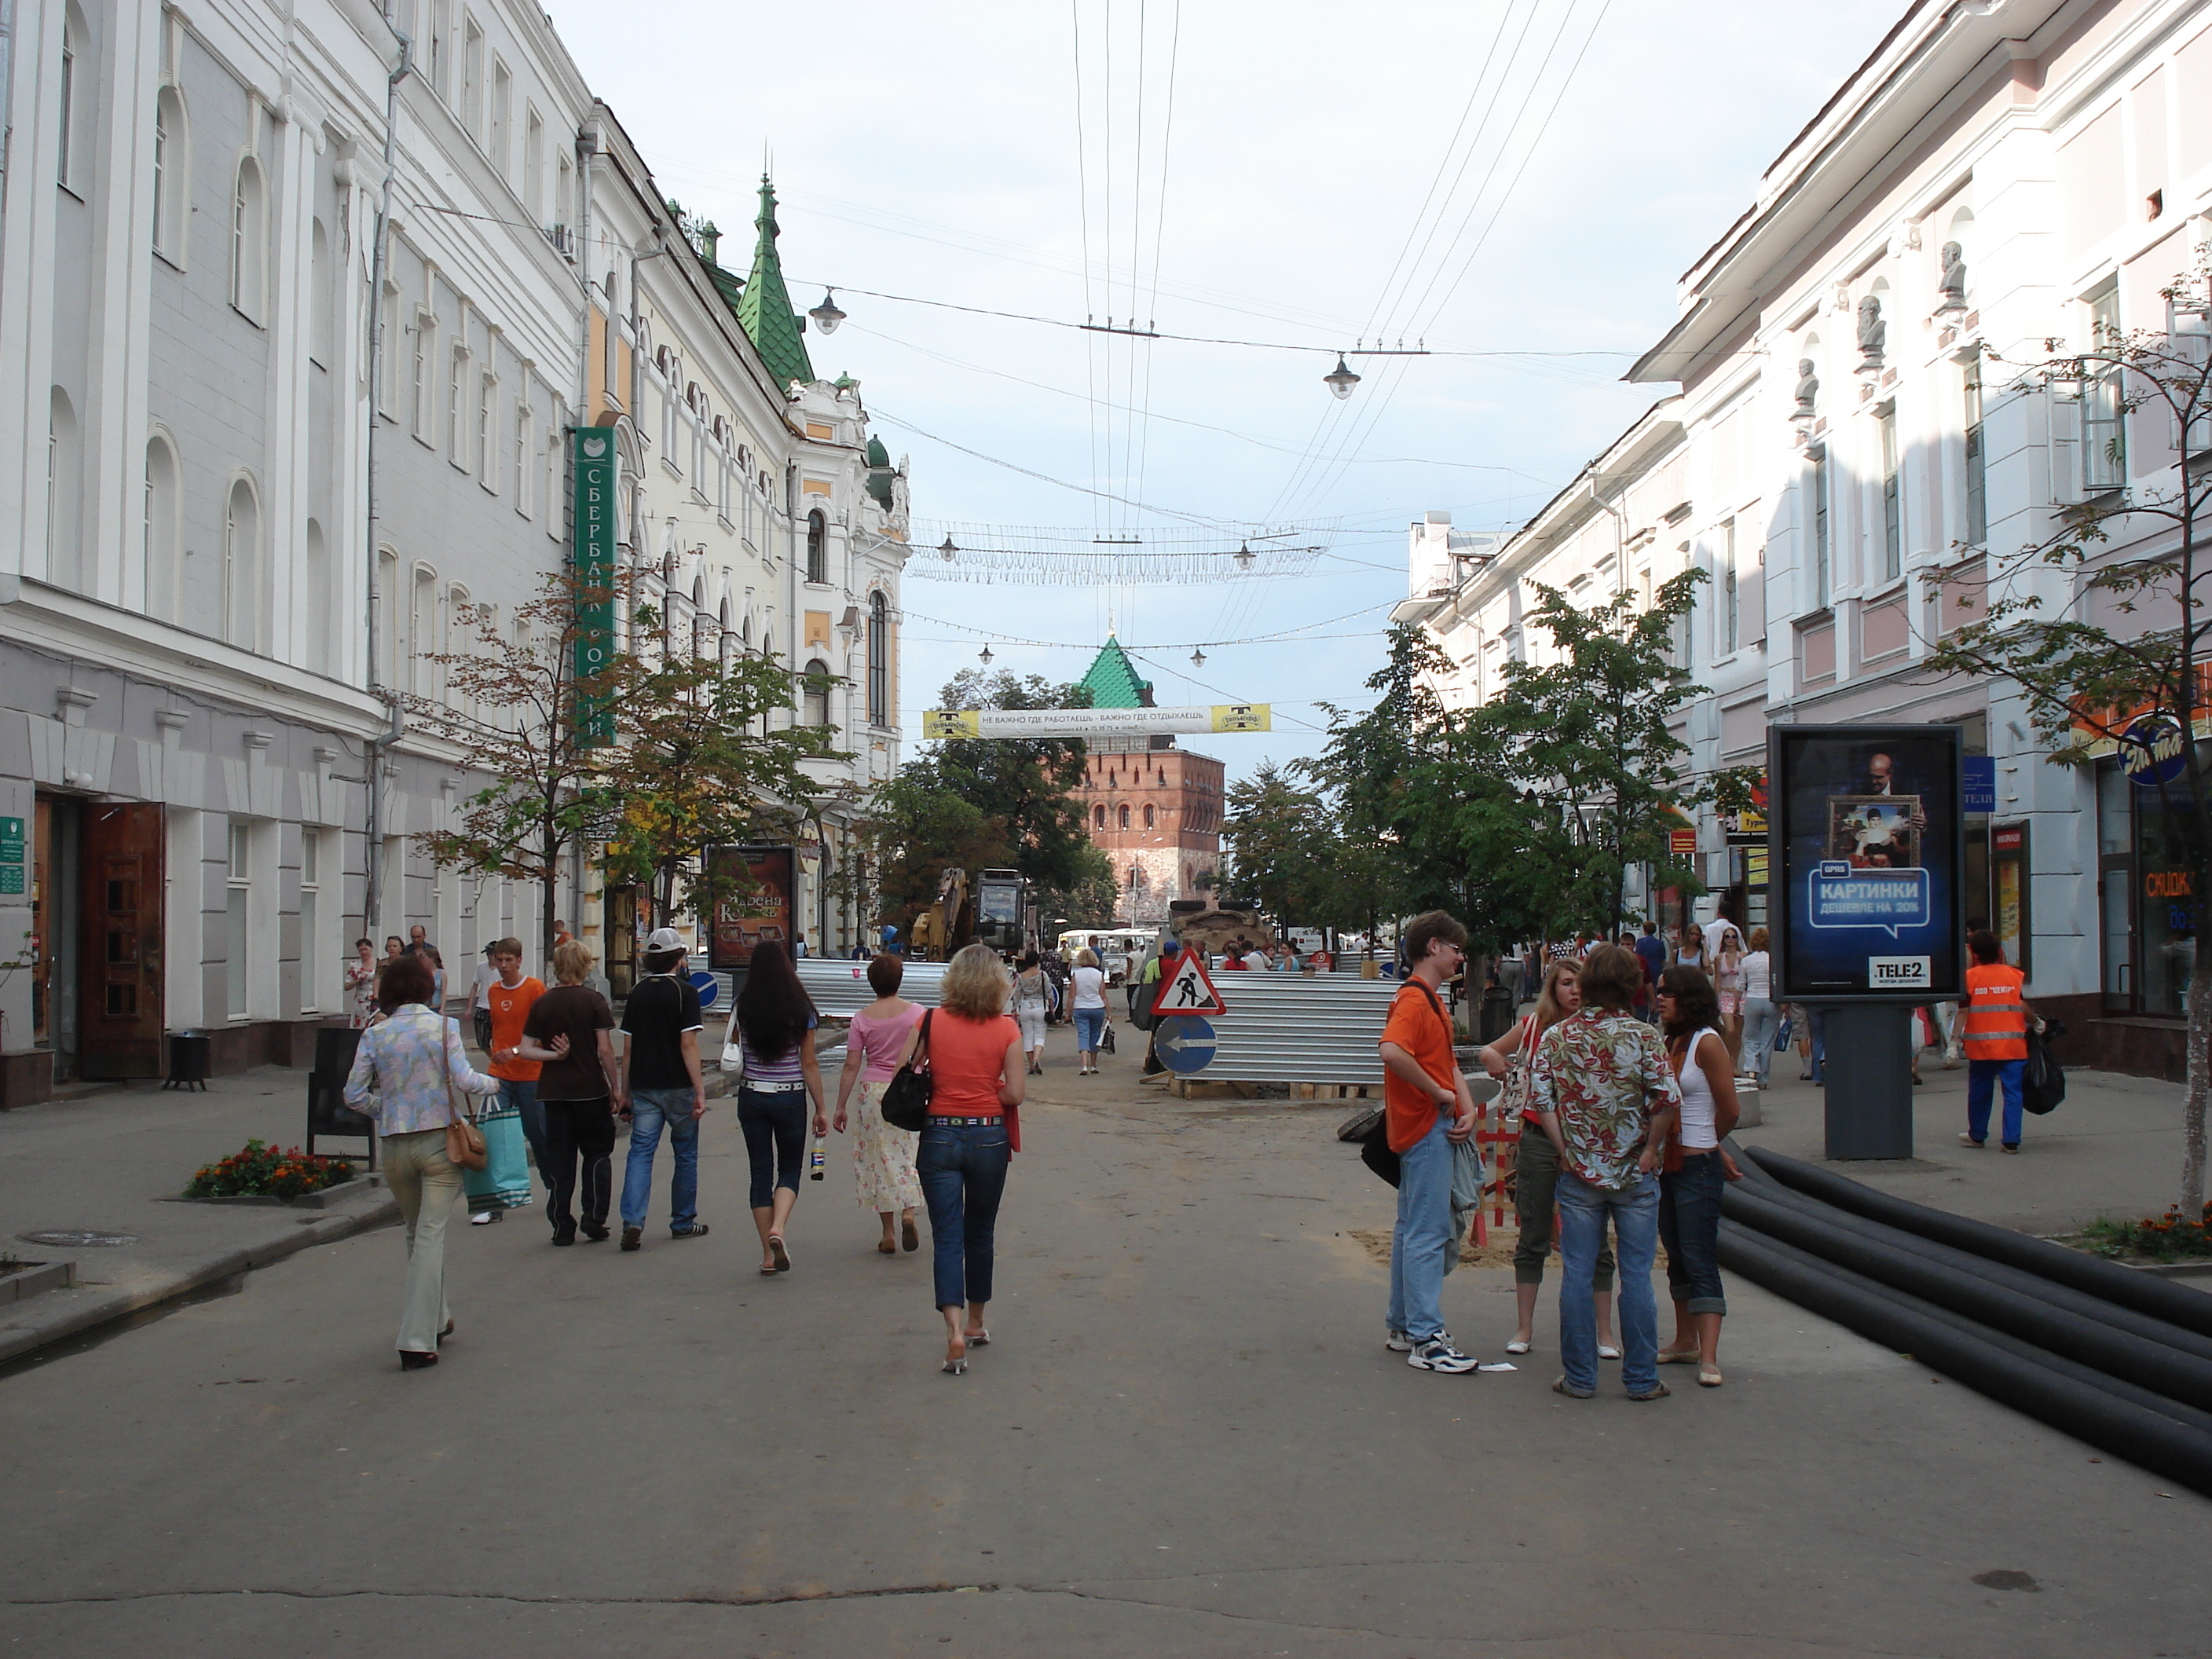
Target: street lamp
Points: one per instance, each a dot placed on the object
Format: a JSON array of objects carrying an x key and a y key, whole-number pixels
[
  {"x": 948, "y": 551},
  {"x": 1340, "y": 380},
  {"x": 826, "y": 315},
  {"x": 1198, "y": 659},
  {"x": 1245, "y": 557},
  {"x": 984, "y": 656}
]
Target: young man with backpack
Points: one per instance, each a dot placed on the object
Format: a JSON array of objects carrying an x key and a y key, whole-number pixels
[{"x": 1428, "y": 1110}]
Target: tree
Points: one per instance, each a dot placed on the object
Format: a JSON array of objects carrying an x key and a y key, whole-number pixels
[
  {"x": 1282, "y": 845},
  {"x": 1026, "y": 786},
  {"x": 510, "y": 714},
  {"x": 914, "y": 832},
  {"x": 2123, "y": 659}
]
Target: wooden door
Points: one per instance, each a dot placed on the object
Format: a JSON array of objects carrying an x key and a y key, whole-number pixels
[{"x": 119, "y": 965}]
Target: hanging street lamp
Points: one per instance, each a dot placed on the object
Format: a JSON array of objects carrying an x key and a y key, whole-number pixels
[
  {"x": 826, "y": 315},
  {"x": 1341, "y": 378}
]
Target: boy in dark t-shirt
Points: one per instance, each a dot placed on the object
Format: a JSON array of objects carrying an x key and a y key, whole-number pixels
[
  {"x": 569, "y": 1032},
  {"x": 667, "y": 1089}
]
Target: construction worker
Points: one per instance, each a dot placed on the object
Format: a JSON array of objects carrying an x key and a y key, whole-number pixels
[{"x": 1996, "y": 1020}]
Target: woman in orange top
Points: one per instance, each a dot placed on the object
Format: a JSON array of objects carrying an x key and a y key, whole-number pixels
[{"x": 977, "y": 1080}]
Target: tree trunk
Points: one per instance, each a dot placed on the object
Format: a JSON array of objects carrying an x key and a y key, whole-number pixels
[
  {"x": 2199, "y": 1076},
  {"x": 549, "y": 891}
]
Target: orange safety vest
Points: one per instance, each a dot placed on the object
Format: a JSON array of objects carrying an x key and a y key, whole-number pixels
[{"x": 1996, "y": 1012}]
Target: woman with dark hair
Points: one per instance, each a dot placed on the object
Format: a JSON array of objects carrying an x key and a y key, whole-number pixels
[
  {"x": 405, "y": 1073},
  {"x": 883, "y": 1158},
  {"x": 1695, "y": 1168},
  {"x": 775, "y": 1021},
  {"x": 1028, "y": 1009}
]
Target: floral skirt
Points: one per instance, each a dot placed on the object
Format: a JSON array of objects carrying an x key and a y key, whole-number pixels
[{"x": 883, "y": 1158}]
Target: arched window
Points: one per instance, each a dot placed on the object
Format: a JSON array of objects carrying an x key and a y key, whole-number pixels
[
  {"x": 816, "y": 708},
  {"x": 817, "y": 547},
  {"x": 249, "y": 241},
  {"x": 1148, "y": 818},
  {"x": 1125, "y": 817},
  {"x": 322, "y": 303},
  {"x": 422, "y": 627},
  {"x": 1098, "y": 817},
  {"x": 64, "y": 493},
  {"x": 879, "y": 661},
  {"x": 242, "y": 566},
  {"x": 171, "y": 175},
  {"x": 73, "y": 154},
  {"x": 321, "y": 594},
  {"x": 161, "y": 529}
]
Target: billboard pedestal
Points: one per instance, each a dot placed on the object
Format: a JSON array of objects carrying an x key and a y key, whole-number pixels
[{"x": 1866, "y": 1071}]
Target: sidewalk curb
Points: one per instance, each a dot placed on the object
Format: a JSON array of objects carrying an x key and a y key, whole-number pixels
[{"x": 53, "y": 1315}]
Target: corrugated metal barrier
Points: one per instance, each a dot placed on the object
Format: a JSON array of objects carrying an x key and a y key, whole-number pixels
[{"x": 840, "y": 986}]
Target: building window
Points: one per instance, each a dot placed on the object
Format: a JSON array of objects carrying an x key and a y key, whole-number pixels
[
  {"x": 1978, "y": 487},
  {"x": 503, "y": 115},
  {"x": 472, "y": 55},
  {"x": 426, "y": 328},
  {"x": 71, "y": 155},
  {"x": 817, "y": 692},
  {"x": 522, "y": 459},
  {"x": 242, "y": 566},
  {"x": 817, "y": 547},
  {"x": 879, "y": 661},
  {"x": 311, "y": 954},
  {"x": 64, "y": 492},
  {"x": 533, "y": 167},
  {"x": 239, "y": 879},
  {"x": 1731, "y": 612},
  {"x": 171, "y": 176},
  {"x": 2103, "y": 419},
  {"x": 1892, "y": 505},
  {"x": 456, "y": 417},
  {"x": 1823, "y": 543},
  {"x": 1150, "y": 822},
  {"x": 249, "y": 256},
  {"x": 1098, "y": 817},
  {"x": 161, "y": 529},
  {"x": 487, "y": 431}
]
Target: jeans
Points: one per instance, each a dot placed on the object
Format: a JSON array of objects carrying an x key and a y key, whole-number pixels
[
  {"x": 584, "y": 1130},
  {"x": 1690, "y": 1228},
  {"x": 651, "y": 1109},
  {"x": 963, "y": 1176},
  {"x": 1636, "y": 1224},
  {"x": 1980, "y": 1074},
  {"x": 1423, "y": 1235},
  {"x": 523, "y": 1096},
  {"x": 1090, "y": 1025},
  {"x": 1816, "y": 1021},
  {"x": 1760, "y": 1020},
  {"x": 426, "y": 1186},
  {"x": 775, "y": 1126},
  {"x": 1536, "y": 1185}
]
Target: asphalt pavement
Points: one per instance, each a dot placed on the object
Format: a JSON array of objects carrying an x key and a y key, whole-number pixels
[{"x": 1187, "y": 1438}]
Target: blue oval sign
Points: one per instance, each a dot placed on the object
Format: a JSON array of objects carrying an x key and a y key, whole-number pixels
[{"x": 2152, "y": 751}]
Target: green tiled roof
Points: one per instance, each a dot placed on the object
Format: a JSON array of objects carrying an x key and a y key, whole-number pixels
[
  {"x": 764, "y": 308},
  {"x": 1113, "y": 679}
]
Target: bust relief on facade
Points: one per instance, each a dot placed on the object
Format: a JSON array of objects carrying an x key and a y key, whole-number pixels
[
  {"x": 1874, "y": 333},
  {"x": 1953, "y": 283}
]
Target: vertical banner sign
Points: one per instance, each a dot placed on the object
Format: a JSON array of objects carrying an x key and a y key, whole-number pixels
[
  {"x": 761, "y": 915},
  {"x": 592, "y": 567},
  {"x": 1867, "y": 845}
]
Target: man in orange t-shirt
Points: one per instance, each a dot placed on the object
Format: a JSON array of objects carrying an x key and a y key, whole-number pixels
[
  {"x": 1427, "y": 1110},
  {"x": 510, "y": 998}
]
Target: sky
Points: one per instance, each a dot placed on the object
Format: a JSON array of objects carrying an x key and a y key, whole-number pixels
[{"x": 1520, "y": 176}]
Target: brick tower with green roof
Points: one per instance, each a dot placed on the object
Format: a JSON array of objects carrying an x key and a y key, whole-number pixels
[
  {"x": 1153, "y": 809},
  {"x": 1112, "y": 679},
  {"x": 764, "y": 306}
]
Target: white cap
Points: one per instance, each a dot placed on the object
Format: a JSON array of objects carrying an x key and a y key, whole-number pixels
[{"x": 663, "y": 938}]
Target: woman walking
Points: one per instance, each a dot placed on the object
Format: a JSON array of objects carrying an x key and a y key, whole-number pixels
[
  {"x": 1727, "y": 976},
  {"x": 1090, "y": 1004},
  {"x": 883, "y": 1158},
  {"x": 775, "y": 1021},
  {"x": 1760, "y": 1018},
  {"x": 405, "y": 1073},
  {"x": 360, "y": 984},
  {"x": 1536, "y": 1163},
  {"x": 1030, "y": 991},
  {"x": 974, "y": 1060},
  {"x": 1694, "y": 1174}
]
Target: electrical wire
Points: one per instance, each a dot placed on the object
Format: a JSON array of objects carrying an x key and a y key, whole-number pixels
[{"x": 1303, "y": 630}]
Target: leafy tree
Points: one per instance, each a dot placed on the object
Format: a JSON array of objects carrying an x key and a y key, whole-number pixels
[
  {"x": 914, "y": 832},
  {"x": 2121, "y": 657},
  {"x": 1282, "y": 845},
  {"x": 1023, "y": 785}
]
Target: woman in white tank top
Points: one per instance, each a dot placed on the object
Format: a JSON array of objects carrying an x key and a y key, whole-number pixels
[{"x": 1696, "y": 1168}]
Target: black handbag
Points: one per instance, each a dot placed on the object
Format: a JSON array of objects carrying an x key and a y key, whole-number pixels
[{"x": 905, "y": 1103}]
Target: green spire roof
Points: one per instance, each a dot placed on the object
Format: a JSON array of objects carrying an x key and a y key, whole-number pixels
[
  {"x": 1113, "y": 681},
  {"x": 764, "y": 308}
]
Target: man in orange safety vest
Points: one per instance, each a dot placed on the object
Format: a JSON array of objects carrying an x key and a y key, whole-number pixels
[{"x": 1995, "y": 1019}]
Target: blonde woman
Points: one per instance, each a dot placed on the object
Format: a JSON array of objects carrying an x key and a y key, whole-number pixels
[
  {"x": 1537, "y": 1165},
  {"x": 883, "y": 1158},
  {"x": 1727, "y": 984},
  {"x": 1088, "y": 999},
  {"x": 975, "y": 1058}
]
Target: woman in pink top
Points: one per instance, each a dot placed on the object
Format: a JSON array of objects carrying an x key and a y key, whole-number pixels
[{"x": 883, "y": 1158}]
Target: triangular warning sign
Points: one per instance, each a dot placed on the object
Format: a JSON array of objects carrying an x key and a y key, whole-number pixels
[{"x": 1186, "y": 989}]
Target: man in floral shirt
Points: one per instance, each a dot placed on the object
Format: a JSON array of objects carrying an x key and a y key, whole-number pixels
[{"x": 1603, "y": 1092}]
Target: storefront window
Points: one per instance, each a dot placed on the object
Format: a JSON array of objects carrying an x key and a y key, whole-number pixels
[{"x": 2167, "y": 924}]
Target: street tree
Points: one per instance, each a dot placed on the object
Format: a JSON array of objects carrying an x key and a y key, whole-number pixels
[
  {"x": 1281, "y": 843},
  {"x": 2120, "y": 660},
  {"x": 1025, "y": 785},
  {"x": 914, "y": 832}
]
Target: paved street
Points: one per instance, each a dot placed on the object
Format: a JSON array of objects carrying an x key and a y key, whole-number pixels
[{"x": 1187, "y": 1438}]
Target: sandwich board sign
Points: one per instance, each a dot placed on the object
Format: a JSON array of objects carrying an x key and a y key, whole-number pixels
[{"x": 1186, "y": 989}]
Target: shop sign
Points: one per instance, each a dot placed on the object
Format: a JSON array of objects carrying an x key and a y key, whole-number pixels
[
  {"x": 1681, "y": 845},
  {"x": 1981, "y": 783},
  {"x": 2152, "y": 752},
  {"x": 592, "y": 567}
]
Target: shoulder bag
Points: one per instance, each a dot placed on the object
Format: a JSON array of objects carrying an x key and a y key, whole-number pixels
[
  {"x": 905, "y": 1101},
  {"x": 466, "y": 1145}
]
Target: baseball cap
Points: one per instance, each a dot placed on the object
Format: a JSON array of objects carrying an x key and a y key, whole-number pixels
[{"x": 663, "y": 938}]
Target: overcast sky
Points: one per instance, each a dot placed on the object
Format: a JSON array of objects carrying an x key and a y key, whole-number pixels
[{"x": 1487, "y": 175}]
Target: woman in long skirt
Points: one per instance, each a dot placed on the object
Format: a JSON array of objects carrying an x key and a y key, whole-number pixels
[{"x": 883, "y": 1158}]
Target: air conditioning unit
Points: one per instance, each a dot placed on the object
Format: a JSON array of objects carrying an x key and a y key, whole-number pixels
[{"x": 563, "y": 240}]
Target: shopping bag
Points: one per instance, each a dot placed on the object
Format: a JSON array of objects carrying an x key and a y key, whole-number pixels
[
  {"x": 504, "y": 1183},
  {"x": 2042, "y": 1084}
]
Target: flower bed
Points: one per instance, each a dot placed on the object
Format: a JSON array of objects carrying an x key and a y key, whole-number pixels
[
  {"x": 260, "y": 1171},
  {"x": 2169, "y": 1237}
]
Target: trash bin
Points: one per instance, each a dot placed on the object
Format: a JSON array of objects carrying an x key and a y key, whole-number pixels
[
  {"x": 191, "y": 1055},
  {"x": 1497, "y": 1015}
]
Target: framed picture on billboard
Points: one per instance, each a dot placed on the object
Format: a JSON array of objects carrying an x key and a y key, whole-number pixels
[{"x": 1876, "y": 832}]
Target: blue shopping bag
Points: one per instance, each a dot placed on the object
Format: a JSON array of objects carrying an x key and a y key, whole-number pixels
[{"x": 504, "y": 1183}]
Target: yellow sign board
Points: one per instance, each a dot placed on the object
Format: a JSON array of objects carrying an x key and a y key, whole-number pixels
[
  {"x": 1095, "y": 722},
  {"x": 952, "y": 723}
]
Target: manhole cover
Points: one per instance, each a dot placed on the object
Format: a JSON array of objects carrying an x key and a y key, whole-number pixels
[{"x": 67, "y": 1239}]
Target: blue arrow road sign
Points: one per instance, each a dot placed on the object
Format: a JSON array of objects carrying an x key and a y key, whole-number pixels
[
  {"x": 709, "y": 986},
  {"x": 1185, "y": 1043}
]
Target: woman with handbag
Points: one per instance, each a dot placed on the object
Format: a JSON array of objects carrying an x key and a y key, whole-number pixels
[
  {"x": 883, "y": 1157},
  {"x": 1536, "y": 1162},
  {"x": 973, "y": 1058},
  {"x": 1695, "y": 1170},
  {"x": 411, "y": 1073}
]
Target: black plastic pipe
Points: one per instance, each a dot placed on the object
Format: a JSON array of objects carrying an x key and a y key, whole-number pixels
[
  {"x": 2088, "y": 1341},
  {"x": 2177, "y": 1305},
  {"x": 2143, "y": 1436}
]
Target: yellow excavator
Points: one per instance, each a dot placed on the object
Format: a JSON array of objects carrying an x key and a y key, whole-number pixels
[{"x": 945, "y": 925}]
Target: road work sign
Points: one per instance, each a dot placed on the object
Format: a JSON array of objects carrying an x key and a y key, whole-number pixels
[{"x": 1186, "y": 989}]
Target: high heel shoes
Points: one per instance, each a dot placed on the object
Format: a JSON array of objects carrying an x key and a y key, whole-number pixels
[{"x": 955, "y": 1357}]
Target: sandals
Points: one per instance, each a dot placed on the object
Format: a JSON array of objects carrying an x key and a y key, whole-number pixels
[
  {"x": 884, "y": 1247},
  {"x": 1659, "y": 1391},
  {"x": 979, "y": 1338},
  {"x": 908, "y": 1239},
  {"x": 775, "y": 1250},
  {"x": 1560, "y": 1387},
  {"x": 1517, "y": 1346}
]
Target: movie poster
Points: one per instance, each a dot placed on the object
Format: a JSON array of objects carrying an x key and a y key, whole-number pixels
[
  {"x": 763, "y": 914},
  {"x": 1866, "y": 839}
]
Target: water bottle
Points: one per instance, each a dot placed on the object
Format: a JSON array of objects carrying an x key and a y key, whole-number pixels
[{"x": 814, "y": 1161}]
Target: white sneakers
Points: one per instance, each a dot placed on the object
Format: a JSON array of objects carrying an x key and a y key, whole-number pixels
[{"x": 1437, "y": 1354}]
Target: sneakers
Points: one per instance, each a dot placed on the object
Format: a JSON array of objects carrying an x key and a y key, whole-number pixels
[
  {"x": 1398, "y": 1342},
  {"x": 1437, "y": 1354},
  {"x": 633, "y": 1238}
]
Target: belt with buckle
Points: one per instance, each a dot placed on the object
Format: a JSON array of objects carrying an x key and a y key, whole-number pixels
[{"x": 968, "y": 1123}]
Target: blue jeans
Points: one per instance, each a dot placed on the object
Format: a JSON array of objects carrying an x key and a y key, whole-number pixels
[
  {"x": 1980, "y": 1074},
  {"x": 523, "y": 1096},
  {"x": 650, "y": 1109},
  {"x": 1422, "y": 1236},
  {"x": 1090, "y": 1025},
  {"x": 962, "y": 1168},
  {"x": 1760, "y": 1019},
  {"x": 1816, "y": 1021},
  {"x": 1636, "y": 1228},
  {"x": 774, "y": 1128},
  {"x": 1690, "y": 1228}
]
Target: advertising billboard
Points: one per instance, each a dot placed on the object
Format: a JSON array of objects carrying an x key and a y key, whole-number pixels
[
  {"x": 763, "y": 914},
  {"x": 1865, "y": 841}
]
